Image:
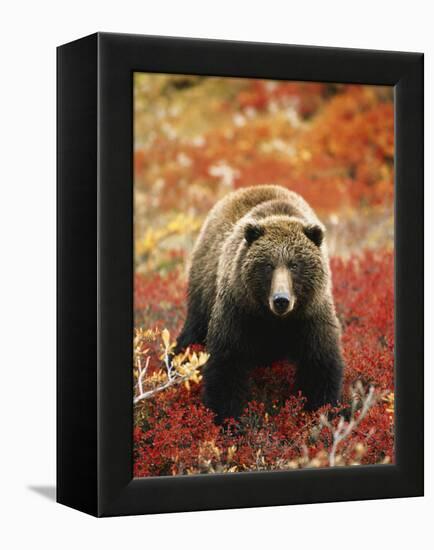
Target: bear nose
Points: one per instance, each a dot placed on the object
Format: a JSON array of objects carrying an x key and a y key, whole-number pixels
[{"x": 281, "y": 302}]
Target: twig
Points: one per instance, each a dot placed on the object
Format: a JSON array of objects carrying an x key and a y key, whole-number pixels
[
  {"x": 344, "y": 429},
  {"x": 177, "y": 370},
  {"x": 142, "y": 373}
]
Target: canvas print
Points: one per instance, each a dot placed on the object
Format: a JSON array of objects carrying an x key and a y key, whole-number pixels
[{"x": 263, "y": 275}]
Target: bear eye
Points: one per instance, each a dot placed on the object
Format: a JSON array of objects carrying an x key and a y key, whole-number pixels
[
  {"x": 269, "y": 268},
  {"x": 293, "y": 265}
]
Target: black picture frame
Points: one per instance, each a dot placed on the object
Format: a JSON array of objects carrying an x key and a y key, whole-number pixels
[{"x": 95, "y": 274}]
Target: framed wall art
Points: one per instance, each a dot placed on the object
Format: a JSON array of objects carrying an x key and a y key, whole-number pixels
[{"x": 240, "y": 274}]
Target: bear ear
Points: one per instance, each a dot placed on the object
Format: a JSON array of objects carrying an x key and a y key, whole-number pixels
[
  {"x": 253, "y": 231},
  {"x": 315, "y": 233}
]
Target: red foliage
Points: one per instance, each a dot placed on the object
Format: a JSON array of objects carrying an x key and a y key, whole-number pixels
[
  {"x": 305, "y": 96},
  {"x": 160, "y": 300},
  {"x": 363, "y": 290},
  {"x": 175, "y": 434},
  {"x": 341, "y": 158},
  {"x": 172, "y": 433}
]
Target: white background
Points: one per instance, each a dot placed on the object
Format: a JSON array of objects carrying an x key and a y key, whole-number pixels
[{"x": 30, "y": 31}]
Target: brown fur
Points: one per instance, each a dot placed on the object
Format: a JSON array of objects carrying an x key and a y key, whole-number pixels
[{"x": 246, "y": 236}]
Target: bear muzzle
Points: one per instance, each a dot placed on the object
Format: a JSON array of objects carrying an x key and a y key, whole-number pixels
[{"x": 282, "y": 299}]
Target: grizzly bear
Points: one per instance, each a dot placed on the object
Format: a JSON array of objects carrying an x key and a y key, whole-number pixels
[{"x": 259, "y": 291}]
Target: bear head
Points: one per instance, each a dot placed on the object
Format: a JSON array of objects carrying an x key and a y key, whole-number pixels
[{"x": 283, "y": 267}]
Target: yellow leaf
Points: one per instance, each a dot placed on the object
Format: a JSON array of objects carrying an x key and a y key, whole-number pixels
[{"x": 165, "y": 336}]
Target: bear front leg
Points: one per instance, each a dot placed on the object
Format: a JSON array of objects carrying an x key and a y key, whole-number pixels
[
  {"x": 320, "y": 365},
  {"x": 195, "y": 327},
  {"x": 193, "y": 332},
  {"x": 225, "y": 386},
  {"x": 225, "y": 376}
]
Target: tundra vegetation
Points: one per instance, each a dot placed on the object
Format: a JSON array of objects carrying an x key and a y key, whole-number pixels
[{"x": 198, "y": 138}]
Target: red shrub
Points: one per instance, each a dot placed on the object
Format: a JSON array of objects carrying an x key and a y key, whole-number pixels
[
  {"x": 341, "y": 158},
  {"x": 363, "y": 290},
  {"x": 159, "y": 301},
  {"x": 175, "y": 434}
]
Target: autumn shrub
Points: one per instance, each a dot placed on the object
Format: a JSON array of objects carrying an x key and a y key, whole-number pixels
[
  {"x": 175, "y": 434},
  {"x": 334, "y": 144}
]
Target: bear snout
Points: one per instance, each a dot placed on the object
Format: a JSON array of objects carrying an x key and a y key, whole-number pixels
[
  {"x": 282, "y": 304},
  {"x": 282, "y": 299}
]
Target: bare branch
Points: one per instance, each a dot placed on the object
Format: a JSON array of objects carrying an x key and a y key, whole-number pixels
[
  {"x": 344, "y": 429},
  {"x": 177, "y": 369},
  {"x": 142, "y": 373}
]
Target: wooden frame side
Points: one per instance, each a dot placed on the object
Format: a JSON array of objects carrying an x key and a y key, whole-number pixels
[{"x": 77, "y": 275}]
